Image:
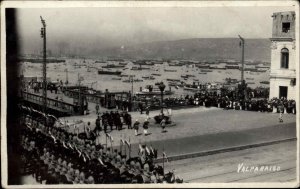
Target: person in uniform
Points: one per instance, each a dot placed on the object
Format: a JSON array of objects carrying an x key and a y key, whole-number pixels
[
  {"x": 281, "y": 109},
  {"x": 97, "y": 109},
  {"x": 147, "y": 112},
  {"x": 98, "y": 125},
  {"x": 136, "y": 126},
  {"x": 128, "y": 120},
  {"x": 163, "y": 125},
  {"x": 145, "y": 127},
  {"x": 111, "y": 120}
]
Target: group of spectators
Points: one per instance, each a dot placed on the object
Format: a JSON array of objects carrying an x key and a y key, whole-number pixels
[
  {"x": 225, "y": 102},
  {"x": 275, "y": 105},
  {"x": 55, "y": 156}
]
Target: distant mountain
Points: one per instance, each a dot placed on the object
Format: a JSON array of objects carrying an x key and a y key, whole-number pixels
[{"x": 195, "y": 49}]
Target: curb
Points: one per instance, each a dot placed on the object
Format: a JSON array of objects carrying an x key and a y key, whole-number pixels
[{"x": 212, "y": 152}]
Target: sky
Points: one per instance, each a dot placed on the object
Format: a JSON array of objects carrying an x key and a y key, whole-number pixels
[{"x": 100, "y": 28}]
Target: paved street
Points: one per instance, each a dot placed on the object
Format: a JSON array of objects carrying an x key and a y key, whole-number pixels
[{"x": 223, "y": 167}]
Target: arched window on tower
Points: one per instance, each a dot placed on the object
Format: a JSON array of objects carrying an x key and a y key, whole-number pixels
[{"x": 285, "y": 58}]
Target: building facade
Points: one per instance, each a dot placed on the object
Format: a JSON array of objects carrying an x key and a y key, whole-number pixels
[{"x": 283, "y": 56}]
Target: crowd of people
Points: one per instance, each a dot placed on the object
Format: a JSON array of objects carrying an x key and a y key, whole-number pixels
[
  {"x": 53, "y": 155},
  {"x": 222, "y": 101}
]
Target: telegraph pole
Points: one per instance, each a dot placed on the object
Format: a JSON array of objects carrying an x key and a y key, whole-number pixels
[
  {"x": 43, "y": 36},
  {"x": 243, "y": 84}
]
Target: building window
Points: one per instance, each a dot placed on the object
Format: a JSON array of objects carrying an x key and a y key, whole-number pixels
[
  {"x": 283, "y": 91},
  {"x": 286, "y": 27},
  {"x": 285, "y": 58}
]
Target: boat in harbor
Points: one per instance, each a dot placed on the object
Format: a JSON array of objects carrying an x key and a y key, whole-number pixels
[
  {"x": 168, "y": 79},
  {"x": 148, "y": 77},
  {"x": 190, "y": 87},
  {"x": 202, "y": 72},
  {"x": 113, "y": 66},
  {"x": 166, "y": 70},
  {"x": 184, "y": 76},
  {"x": 189, "y": 75},
  {"x": 100, "y": 61},
  {"x": 138, "y": 80},
  {"x": 123, "y": 63},
  {"x": 156, "y": 74},
  {"x": 176, "y": 64},
  {"x": 107, "y": 72},
  {"x": 116, "y": 78}
]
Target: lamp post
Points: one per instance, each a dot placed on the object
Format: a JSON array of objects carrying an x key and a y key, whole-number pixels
[
  {"x": 162, "y": 87},
  {"x": 131, "y": 96},
  {"x": 67, "y": 80}
]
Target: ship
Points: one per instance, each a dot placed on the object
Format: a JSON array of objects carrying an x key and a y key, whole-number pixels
[
  {"x": 140, "y": 68},
  {"x": 116, "y": 78},
  {"x": 148, "y": 77},
  {"x": 170, "y": 70},
  {"x": 104, "y": 72},
  {"x": 203, "y": 70},
  {"x": 173, "y": 79},
  {"x": 113, "y": 66},
  {"x": 156, "y": 74},
  {"x": 100, "y": 61},
  {"x": 191, "y": 87}
]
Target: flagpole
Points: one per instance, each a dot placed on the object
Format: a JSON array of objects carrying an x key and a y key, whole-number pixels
[
  {"x": 164, "y": 160},
  {"x": 121, "y": 144},
  {"x": 111, "y": 146},
  {"x": 125, "y": 151},
  {"x": 106, "y": 141},
  {"x": 129, "y": 148}
]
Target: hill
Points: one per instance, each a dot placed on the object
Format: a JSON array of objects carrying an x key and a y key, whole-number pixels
[{"x": 195, "y": 49}]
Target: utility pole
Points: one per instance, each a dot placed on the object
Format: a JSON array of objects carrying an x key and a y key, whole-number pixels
[
  {"x": 43, "y": 36},
  {"x": 79, "y": 94},
  {"x": 242, "y": 43}
]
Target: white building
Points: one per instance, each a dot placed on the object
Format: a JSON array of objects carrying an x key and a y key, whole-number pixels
[{"x": 283, "y": 56}]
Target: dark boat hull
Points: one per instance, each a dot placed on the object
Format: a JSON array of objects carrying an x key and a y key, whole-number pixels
[{"x": 109, "y": 72}]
